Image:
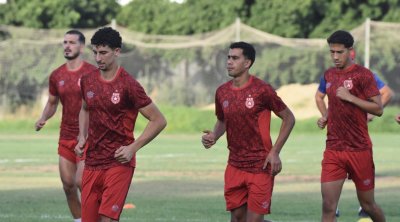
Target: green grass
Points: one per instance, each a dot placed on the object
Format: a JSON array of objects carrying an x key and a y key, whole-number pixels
[
  {"x": 187, "y": 120},
  {"x": 178, "y": 180}
]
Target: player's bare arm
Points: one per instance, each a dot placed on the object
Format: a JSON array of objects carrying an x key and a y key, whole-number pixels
[
  {"x": 156, "y": 124},
  {"x": 373, "y": 105},
  {"x": 48, "y": 112},
  {"x": 83, "y": 129},
  {"x": 288, "y": 121},
  {"x": 210, "y": 137},
  {"x": 386, "y": 95},
  {"x": 321, "y": 105}
]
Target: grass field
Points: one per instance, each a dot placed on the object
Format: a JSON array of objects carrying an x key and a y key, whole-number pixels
[{"x": 177, "y": 180}]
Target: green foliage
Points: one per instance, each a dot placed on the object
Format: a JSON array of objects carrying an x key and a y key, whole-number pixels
[
  {"x": 288, "y": 18},
  {"x": 59, "y": 13},
  {"x": 165, "y": 17}
]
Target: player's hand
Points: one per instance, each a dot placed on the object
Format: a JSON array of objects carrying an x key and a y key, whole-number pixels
[
  {"x": 275, "y": 162},
  {"x": 39, "y": 124},
  {"x": 79, "y": 148},
  {"x": 124, "y": 154},
  {"x": 208, "y": 139},
  {"x": 370, "y": 117},
  {"x": 343, "y": 94},
  {"x": 322, "y": 122},
  {"x": 397, "y": 118}
]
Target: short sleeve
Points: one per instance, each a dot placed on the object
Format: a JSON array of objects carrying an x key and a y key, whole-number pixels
[
  {"x": 379, "y": 83},
  {"x": 137, "y": 94},
  {"x": 369, "y": 85},
  {"x": 272, "y": 100},
  {"x": 218, "y": 108},
  {"x": 53, "y": 85},
  {"x": 322, "y": 85}
]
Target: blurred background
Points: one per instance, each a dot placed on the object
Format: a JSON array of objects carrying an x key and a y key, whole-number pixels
[{"x": 177, "y": 49}]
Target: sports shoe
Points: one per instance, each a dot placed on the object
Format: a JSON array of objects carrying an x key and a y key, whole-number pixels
[
  {"x": 362, "y": 213},
  {"x": 337, "y": 213}
]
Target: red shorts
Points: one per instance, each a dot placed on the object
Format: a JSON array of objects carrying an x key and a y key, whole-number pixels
[
  {"x": 66, "y": 150},
  {"x": 243, "y": 187},
  {"x": 358, "y": 166},
  {"x": 104, "y": 192}
]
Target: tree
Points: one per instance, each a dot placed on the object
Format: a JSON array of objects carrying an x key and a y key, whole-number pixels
[
  {"x": 59, "y": 13},
  {"x": 287, "y": 18},
  {"x": 190, "y": 17}
]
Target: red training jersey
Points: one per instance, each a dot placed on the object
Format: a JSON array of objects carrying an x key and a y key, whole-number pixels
[
  {"x": 246, "y": 112},
  {"x": 113, "y": 108},
  {"x": 347, "y": 123},
  {"x": 65, "y": 84}
]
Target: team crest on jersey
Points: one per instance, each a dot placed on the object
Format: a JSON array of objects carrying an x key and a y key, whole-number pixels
[
  {"x": 115, "y": 98},
  {"x": 348, "y": 84},
  {"x": 61, "y": 83},
  {"x": 249, "y": 102},
  {"x": 225, "y": 103},
  {"x": 90, "y": 94}
]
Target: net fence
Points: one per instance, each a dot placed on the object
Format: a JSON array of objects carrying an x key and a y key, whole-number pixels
[{"x": 186, "y": 70}]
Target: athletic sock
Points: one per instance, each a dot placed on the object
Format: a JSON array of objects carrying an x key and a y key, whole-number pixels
[{"x": 77, "y": 220}]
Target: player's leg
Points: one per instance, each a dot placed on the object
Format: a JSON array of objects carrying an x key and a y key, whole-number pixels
[
  {"x": 333, "y": 175},
  {"x": 235, "y": 193},
  {"x": 254, "y": 217},
  {"x": 368, "y": 204},
  {"x": 330, "y": 197},
  {"x": 239, "y": 214},
  {"x": 78, "y": 176},
  {"x": 362, "y": 172},
  {"x": 260, "y": 186},
  {"x": 67, "y": 175},
  {"x": 117, "y": 181},
  {"x": 92, "y": 181}
]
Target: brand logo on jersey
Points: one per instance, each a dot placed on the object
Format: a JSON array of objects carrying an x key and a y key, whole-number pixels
[
  {"x": 367, "y": 182},
  {"x": 115, "y": 208},
  {"x": 225, "y": 104},
  {"x": 249, "y": 102},
  {"x": 90, "y": 94},
  {"x": 265, "y": 205},
  {"x": 61, "y": 83},
  {"x": 115, "y": 98},
  {"x": 348, "y": 84},
  {"x": 79, "y": 82}
]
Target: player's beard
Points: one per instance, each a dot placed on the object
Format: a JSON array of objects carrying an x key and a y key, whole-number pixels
[{"x": 72, "y": 57}]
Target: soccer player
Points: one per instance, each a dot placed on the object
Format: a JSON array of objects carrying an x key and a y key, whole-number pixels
[
  {"x": 352, "y": 93},
  {"x": 64, "y": 86},
  {"x": 386, "y": 95},
  {"x": 243, "y": 108},
  {"x": 112, "y": 99}
]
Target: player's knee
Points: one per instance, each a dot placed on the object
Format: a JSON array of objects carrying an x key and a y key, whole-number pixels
[
  {"x": 69, "y": 188},
  {"x": 328, "y": 207}
]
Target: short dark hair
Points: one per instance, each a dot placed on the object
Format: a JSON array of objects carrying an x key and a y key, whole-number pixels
[
  {"x": 108, "y": 37},
  {"x": 341, "y": 37},
  {"x": 81, "y": 37},
  {"x": 248, "y": 50}
]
